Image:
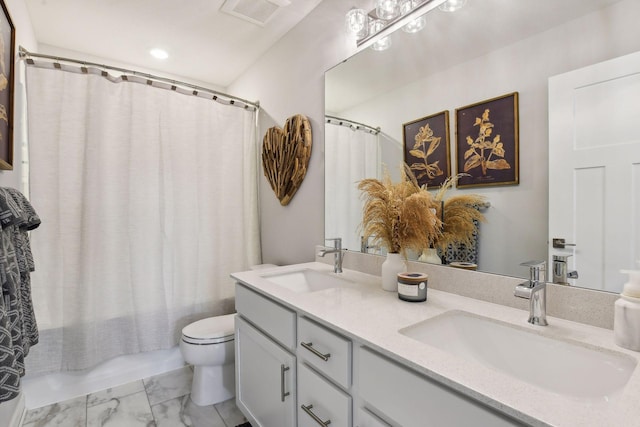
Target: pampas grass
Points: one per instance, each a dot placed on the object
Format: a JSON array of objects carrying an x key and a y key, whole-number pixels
[
  {"x": 403, "y": 216},
  {"x": 399, "y": 216},
  {"x": 459, "y": 214}
]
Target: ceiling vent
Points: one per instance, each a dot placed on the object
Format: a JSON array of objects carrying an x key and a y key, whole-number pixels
[{"x": 257, "y": 12}]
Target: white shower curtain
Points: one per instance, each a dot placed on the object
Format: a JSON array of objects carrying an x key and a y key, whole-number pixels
[
  {"x": 350, "y": 156},
  {"x": 148, "y": 201}
]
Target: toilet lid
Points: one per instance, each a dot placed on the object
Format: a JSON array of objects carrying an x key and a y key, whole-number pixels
[{"x": 210, "y": 329}]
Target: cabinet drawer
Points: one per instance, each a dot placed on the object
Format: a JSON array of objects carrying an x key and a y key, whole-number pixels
[
  {"x": 411, "y": 399},
  {"x": 327, "y": 351},
  {"x": 277, "y": 321},
  {"x": 320, "y": 401},
  {"x": 367, "y": 419}
]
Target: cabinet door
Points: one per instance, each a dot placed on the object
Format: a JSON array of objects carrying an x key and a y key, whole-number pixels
[{"x": 265, "y": 379}]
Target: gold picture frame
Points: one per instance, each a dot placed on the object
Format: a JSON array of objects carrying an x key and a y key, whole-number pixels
[
  {"x": 427, "y": 149},
  {"x": 487, "y": 145},
  {"x": 7, "y": 54}
]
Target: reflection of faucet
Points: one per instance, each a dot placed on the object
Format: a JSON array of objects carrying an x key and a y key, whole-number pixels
[
  {"x": 560, "y": 273},
  {"x": 365, "y": 246},
  {"x": 337, "y": 250},
  {"x": 535, "y": 290}
]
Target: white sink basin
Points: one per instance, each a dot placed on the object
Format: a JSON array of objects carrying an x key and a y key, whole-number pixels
[
  {"x": 307, "y": 280},
  {"x": 558, "y": 366}
]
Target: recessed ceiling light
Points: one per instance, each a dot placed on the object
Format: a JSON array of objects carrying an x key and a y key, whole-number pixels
[{"x": 159, "y": 53}]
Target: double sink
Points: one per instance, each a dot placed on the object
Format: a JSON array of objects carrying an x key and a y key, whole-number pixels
[{"x": 564, "y": 367}]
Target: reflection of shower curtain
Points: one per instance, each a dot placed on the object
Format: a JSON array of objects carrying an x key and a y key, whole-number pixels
[
  {"x": 149, "y": 197},
  {"x": 350, "y": 156}
]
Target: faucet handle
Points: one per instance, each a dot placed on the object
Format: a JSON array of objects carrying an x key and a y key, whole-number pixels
[{"x": 535, "y": 268}]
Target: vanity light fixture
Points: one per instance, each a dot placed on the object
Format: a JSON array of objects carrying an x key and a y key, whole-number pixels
[
  {"x": 382, "y": 43},
  {"x": 389, "y": 15},
  {"x": 417, "y": 24},
  {"x": 452, "y": 5},
  {"x": 159, "y": 53},
  {"x": 387, "y": 9},
  {"x": 358, "y": 23}
]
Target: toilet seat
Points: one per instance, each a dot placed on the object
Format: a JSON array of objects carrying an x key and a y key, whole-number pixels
[{"x": 212, "y": 330}]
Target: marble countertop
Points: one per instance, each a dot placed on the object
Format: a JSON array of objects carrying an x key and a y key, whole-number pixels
[{"x": 366, "y": 313}]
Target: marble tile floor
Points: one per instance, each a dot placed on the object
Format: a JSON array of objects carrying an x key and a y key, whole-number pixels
[{"x": 158, "y": 401}]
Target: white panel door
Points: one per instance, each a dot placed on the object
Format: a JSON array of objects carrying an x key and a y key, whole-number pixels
[{"x": 594, "y": 170}]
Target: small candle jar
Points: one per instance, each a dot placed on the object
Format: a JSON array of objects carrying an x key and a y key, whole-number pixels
[{"x": 412, "y": 287}]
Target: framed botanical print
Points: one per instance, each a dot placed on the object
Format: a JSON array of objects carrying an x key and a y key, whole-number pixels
[
  {"x": 426, "y": 149},
  {"x": 7, "y": 52},
  {"x": 487, "y": 142}
]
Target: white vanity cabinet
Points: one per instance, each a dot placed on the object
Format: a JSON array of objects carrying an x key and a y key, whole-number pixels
[
  {"x": 265, "y": 370},
  {"x": 321, "y": 403},
  {"x": 328, "y": 352},
  {"x": 405, "y": 398},
  {"x": 271, "y": 390},
  {"x": 295, "y": 370},
  {"x": 324, "y": 372}
]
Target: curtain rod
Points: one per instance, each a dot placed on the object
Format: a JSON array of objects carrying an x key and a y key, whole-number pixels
[
  {"x": 350, "y": 123},
  {"x": 26, "y": 55}
]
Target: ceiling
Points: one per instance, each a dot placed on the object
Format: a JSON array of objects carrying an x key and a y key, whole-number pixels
[{"x": 204, "y": 43}]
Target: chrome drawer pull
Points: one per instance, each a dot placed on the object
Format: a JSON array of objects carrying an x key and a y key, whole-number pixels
[
  {"x": 316, "y": 418},
  {"x": 283, "y": 369},
  {"x": 309, "y": 346}
]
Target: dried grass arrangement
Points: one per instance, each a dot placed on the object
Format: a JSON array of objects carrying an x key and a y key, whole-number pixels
[
  {"x": 404, "y": 216},
  {"x": 460, "y": 212},
  {"x": 399, "y": 216}
]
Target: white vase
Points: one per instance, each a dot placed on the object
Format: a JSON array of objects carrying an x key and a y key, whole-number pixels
[
  {"x": 430, "y": 255},
  {"x": 393, "y": 265}
]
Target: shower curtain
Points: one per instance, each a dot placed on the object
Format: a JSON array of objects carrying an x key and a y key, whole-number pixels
[
  {"x": 350, "y": 156},
  {"x": 149, "y": 198}
]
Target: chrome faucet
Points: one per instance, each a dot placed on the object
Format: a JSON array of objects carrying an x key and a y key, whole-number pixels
[
  {"x": 535, "y": 290},
  {"x": 560, "y": 271},
  {"x": 337, "y": 250},
  {"x": 365, "y": 246}
]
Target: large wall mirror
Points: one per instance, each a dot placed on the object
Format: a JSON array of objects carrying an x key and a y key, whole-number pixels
[{"x": 487, "y": 49}]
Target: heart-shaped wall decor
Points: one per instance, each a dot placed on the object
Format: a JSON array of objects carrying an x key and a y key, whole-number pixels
[{"x": 285, "y": 156}]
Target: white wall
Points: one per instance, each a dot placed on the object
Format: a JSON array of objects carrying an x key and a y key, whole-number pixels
[{"x": 289, "y": 80}]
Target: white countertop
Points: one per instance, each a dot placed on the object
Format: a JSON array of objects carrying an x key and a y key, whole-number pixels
[{"x": 373, "y": 317}]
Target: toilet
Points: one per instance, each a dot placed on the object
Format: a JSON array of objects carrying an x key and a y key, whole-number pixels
[{"x": 208, "y": 345}]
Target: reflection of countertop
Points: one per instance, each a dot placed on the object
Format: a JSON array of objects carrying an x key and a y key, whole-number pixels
[{"x": 366, "y": 313}]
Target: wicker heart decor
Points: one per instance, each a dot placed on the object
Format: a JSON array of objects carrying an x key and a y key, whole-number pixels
[{"x": 285, "y": 156}]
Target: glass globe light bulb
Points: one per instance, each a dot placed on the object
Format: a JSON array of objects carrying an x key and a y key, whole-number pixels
[
  {"x": 383, "y": 43},
  {"x": 387, "y": 9},
  {"x": 417, "y": 24},
  {"x": 356, "y": 23}
]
